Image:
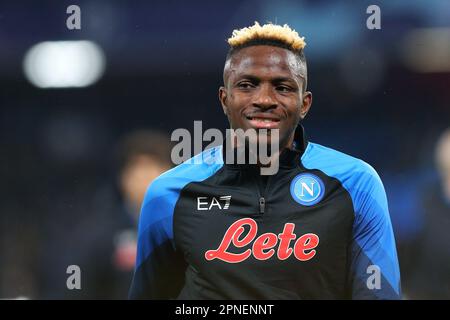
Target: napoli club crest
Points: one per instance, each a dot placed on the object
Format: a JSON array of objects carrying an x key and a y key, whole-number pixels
[{"x": 307, "y": 189}]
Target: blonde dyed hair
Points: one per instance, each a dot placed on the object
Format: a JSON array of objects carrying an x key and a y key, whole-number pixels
[{"x": 270, "y": 32}]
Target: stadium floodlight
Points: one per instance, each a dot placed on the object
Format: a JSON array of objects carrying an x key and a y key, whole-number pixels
[{"x": 62, "y": 64}]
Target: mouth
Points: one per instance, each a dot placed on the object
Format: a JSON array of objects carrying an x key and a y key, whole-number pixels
[{"x": 263, "y": 122}]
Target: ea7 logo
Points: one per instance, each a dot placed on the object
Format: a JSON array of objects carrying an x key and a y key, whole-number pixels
[{"x": 207, "y": 203}]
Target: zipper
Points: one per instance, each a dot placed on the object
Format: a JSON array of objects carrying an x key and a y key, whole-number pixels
[
  {"x": 261, "y": 193},
  {"x": 262, "y": 205}
]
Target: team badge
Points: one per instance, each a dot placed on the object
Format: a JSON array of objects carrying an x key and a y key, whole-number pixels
[{"x": 307, "y": 189}]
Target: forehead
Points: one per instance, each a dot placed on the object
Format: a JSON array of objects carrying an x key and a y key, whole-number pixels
[{"x": 265, "y": 61}]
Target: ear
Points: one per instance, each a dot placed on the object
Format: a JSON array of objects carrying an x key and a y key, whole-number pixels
[
  {"x": 306, "y": 104},
  {"x": 223, "y": 99}
]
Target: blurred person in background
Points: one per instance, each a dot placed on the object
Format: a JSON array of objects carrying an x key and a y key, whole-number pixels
[
  {"x": 100, "y": 237},
  {"x": 443, "y": 164},
  {"x": 142, "y": 156},
  {"x": 430, "y": 253}
]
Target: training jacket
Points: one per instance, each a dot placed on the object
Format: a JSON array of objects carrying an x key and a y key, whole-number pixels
[{"x": 317, "y": 229}]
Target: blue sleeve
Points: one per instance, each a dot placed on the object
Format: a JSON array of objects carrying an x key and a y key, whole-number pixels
[
  {"x": 159, "y": 271},
  {"x": 374, "y": 268},
  {"x": 160, "y": 267}
]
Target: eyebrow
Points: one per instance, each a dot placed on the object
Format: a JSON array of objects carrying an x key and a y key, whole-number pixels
[
  {"x": 274, "y": 80},
  {"x": 283, "y": 79}
]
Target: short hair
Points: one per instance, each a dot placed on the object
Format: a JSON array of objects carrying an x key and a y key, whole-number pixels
[
  {"x": 283, "y": 34},
  {"x": 268, "y": 34}
]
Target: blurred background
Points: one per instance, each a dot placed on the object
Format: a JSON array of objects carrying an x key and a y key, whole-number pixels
[{"x": 86, "y": 117}]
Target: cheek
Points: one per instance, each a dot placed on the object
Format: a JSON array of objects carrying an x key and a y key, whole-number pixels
[
  {"x": 237, "y": 102},
  {"x": 293, "y": 107},
  {"x": 240, "y": 98}
]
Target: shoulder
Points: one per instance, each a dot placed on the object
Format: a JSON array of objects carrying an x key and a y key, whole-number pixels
[
  {"x": 197, "y": 168},
  {"x": 358, "y": 177},
  {"x": 338, "y": 164},
  {"x": 163, "y": 193}
]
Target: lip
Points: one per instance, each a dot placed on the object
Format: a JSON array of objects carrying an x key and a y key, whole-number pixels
[{"x": 263, "y": 121}]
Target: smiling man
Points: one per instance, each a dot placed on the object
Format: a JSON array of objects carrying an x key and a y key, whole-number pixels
[
  {"x": 265, "y": 85},
  {"x": 318, "y": 228}
]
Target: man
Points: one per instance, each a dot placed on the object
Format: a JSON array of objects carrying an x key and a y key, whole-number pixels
[
  {"x": 443, "y": 163},
  {"x": 429, "y": 277},
  {"x": 103, "y": 237},
  {"x": 141, "y": 157},
  {"x": 318, "y": 228}
]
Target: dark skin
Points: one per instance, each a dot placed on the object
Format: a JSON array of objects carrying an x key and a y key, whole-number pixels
[{"x": 265, "y": 83}]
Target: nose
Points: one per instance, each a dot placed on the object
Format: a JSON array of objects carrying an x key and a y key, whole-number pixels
[{"x": 264, "y": 98}]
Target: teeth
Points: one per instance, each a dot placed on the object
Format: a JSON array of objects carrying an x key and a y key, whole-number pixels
[{"x": 263, "y": 120}]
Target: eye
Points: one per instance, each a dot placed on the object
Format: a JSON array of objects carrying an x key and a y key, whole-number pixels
[
  {"x": 245, "y": 85},
  {"x": 284, "y": 89}
]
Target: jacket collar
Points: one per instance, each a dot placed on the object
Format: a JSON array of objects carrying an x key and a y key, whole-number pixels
[{"x": 289, "y": 157}]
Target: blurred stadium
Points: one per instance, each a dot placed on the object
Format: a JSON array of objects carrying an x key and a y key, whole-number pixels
[{"x": 72, "y": 100}]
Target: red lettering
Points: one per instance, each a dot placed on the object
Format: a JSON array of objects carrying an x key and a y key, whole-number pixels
[
  {"x": 263, "y": 246},
  {"x": 286, "y": 237},
  {"x": 232, "y": 236},
  {"x": 264, "y": 242},
  {"x": 306, "y": 242}
]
